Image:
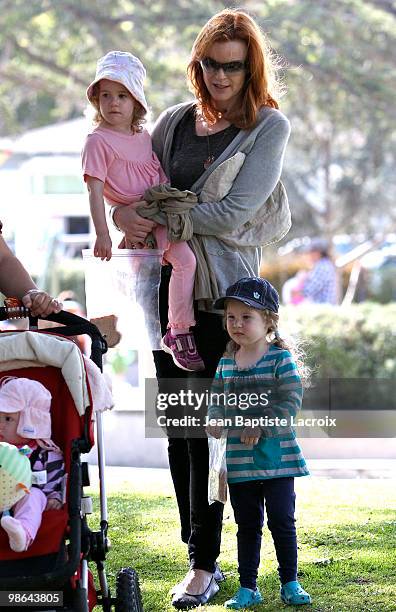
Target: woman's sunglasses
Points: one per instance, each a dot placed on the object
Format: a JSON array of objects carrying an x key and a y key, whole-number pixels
[{"x": 210, "y": 65}]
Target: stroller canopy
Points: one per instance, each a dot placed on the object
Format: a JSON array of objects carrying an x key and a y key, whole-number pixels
[{"x": 36, "y": 349}]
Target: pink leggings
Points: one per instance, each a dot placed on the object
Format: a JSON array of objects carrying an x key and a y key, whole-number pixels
[
  {"x": 29, "y": 510},
  {"x": 181, "y": 285}
]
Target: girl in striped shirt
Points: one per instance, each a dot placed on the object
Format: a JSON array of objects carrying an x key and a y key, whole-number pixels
[
  {"x": 256, "y": 393},
  {"x": 25, "y": 420}
]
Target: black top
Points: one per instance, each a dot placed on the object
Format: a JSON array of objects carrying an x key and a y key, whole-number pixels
[{"x": 190, "y": 151}]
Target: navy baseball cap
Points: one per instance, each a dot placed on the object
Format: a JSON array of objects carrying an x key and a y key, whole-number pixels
[{"x": 252, "y": 291}]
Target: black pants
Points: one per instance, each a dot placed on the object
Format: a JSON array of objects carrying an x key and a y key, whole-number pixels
[
  {"x": 247, "y": 500},
  {"x": 189, "y": 457}
]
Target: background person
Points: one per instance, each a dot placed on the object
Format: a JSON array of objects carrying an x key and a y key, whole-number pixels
[
  {"x": 292, "y": 289},
  {"x": 320, "y": 283},
  {"x": 235, "y": 109}
]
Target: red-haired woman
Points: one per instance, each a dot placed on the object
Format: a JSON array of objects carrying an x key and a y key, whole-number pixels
[{"x": 232, "y": 76}]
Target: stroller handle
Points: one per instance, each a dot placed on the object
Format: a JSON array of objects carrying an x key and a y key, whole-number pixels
[{"x": 74, "y": 326}]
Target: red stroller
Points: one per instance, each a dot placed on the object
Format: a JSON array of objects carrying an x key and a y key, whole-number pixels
[{"x": 57, "y": 561}]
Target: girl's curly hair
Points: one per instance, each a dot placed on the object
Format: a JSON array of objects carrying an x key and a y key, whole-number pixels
[{"x": 294, "y": 346}]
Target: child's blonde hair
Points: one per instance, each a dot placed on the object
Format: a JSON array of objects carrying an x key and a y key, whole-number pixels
[
  {"x": 139, "y": 113},
  {"x": 271, "y": 319}
]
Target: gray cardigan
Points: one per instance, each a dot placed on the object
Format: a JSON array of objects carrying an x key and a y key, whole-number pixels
[{"x": 264, "y": 147}]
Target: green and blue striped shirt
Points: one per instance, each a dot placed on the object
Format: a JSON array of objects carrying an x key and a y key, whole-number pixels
[{"x": 267, "y": 394}]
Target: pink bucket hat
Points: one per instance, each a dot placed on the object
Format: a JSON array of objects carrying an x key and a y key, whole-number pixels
[
  {"x": 33, "y": 401},
  {"x": 124, "y": 68}
]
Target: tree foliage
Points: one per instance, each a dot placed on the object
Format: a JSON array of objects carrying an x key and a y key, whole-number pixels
[{"x": 338, "y": 63}]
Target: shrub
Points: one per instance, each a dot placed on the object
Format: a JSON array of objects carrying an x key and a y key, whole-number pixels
[{"x": 358, "y": 341}]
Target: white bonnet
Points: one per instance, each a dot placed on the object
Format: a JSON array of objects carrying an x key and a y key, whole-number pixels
[
  {"x": 124, "y": 68},
  {"x": 33, "y": 401}
]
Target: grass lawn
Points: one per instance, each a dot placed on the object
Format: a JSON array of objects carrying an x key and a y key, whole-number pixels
[{"x": 347, "y": 546}]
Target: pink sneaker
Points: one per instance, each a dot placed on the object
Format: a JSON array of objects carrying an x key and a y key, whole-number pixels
[{"x": 183, "y": 350}]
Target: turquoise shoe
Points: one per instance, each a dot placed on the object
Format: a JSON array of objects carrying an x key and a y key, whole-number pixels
[
  {"x": 244, "y": 598},
  {"x": 293, "y": 594}
]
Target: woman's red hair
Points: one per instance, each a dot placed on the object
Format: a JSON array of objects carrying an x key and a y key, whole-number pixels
[{"x": 233, "y": 24}]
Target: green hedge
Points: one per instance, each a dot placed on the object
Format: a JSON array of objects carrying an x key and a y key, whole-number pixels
[{"x": 357, "y": 341}]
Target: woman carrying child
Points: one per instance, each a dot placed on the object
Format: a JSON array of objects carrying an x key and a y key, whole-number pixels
[{"x": 235, "y": 110}]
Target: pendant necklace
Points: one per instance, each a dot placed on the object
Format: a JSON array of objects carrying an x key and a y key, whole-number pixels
[{"x": 211, "y": 156}]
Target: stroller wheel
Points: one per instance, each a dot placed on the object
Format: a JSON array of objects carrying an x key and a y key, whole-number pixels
[{"x": 128, "y": 597}]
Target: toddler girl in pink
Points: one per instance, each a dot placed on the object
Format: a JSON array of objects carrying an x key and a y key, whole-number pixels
[
  {"x": 25, "y": 420},
  {"x": 119, "y": 165}
]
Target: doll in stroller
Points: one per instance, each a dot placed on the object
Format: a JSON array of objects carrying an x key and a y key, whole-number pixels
[{"x": 52, "y": 571}]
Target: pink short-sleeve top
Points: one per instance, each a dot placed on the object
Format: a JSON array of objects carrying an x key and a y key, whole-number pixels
[{"x": 125, "y": 163}]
